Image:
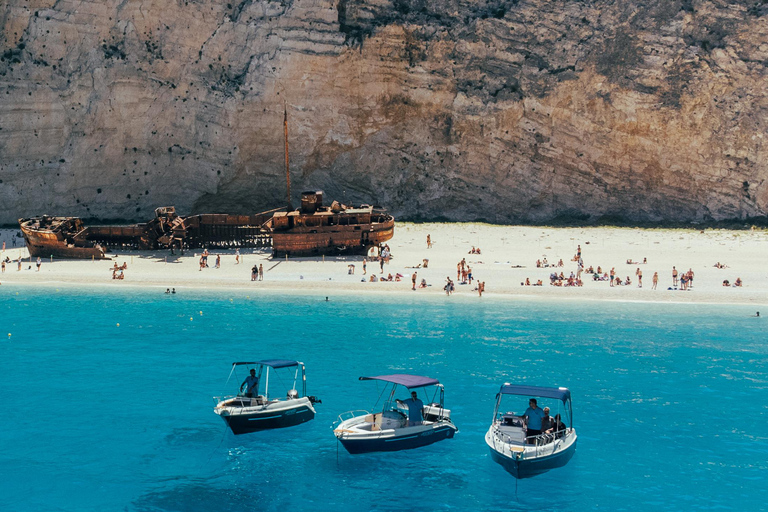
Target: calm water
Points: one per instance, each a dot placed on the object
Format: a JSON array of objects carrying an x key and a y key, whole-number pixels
[{"x": 671, "y": 402}]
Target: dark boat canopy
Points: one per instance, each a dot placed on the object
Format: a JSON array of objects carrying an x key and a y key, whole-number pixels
[
  {"x": 273, "y": 363},
  {"x": 563, "y": 394},
  {"x": 409, "y": 381}
]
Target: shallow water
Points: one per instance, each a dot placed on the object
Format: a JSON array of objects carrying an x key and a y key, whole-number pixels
[{"x": 669, "y": 401}]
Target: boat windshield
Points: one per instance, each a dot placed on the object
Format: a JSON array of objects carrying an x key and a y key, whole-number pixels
[
  {"x": 271, "y": 370},
  {"x": 557, "y": 400}
]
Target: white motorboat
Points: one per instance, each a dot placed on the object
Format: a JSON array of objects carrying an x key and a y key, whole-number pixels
[
  {"x": 524, "y": 455},
  {"x": 251, "y": 411},
  {"x": 400, "y": 424}
]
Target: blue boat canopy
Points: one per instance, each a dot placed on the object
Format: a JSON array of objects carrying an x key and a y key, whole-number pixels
[
  {"x": 563, "y": 394},
  {"x": 274, "y": 363},
  {"x": 409, "y": 381}
]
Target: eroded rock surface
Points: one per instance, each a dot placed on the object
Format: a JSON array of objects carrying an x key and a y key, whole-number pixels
[{"x": 504, "y": 111}]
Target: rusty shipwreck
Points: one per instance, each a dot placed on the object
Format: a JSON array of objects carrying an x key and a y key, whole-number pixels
[{"x": 311, "y": 230}]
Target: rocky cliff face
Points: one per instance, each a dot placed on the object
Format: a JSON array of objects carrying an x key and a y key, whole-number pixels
[{"x": 506, "y": 111}]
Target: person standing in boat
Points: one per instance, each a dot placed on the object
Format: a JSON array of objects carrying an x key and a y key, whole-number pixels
[
  {"x": 250, "y": 384},
  {"x": 415, "y": 408},
  {"x": 534, "y": 416}
]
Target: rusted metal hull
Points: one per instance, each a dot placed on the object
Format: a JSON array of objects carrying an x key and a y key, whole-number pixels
[
  {"x": 58, "y": 237},
  {"x": 312, "y": 231},
  {"x": 352, "y": 239}
]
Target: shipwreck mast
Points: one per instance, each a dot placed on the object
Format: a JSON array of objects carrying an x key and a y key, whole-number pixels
[{"x": 287, "y": 168}]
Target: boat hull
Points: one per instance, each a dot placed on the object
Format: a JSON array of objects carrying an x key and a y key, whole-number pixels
[
  {"x": 529, "y": 467},
  {"x": 408, "y": 440},
  {"x": 342, "y": 240},
  {"x": 60, "y": 238},
  {"x": 254, "y": 419}
]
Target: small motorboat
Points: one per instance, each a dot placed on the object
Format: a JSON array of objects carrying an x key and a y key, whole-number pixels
[
  {"x": 400, "y": 424},
  {"x": 251, "y": 411},
  {"x": 525, "y": 455}
]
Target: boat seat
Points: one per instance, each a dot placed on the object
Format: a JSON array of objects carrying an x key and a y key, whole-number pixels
[
  {"x": 510, "y": 420},
  {"x": 374, "y": 420}
]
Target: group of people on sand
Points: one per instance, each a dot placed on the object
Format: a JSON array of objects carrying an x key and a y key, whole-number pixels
[
  {"x": 464, "y": 272},
  {"x": 389, "y": 277},
  {"x": 544, "y": 263},
  {"x": 257, "y": 272},
  {"x": 685, "y": 279},
  {"x": 118, "y": 271},
  {"x": 736, "y": 284},
  {"x": 204, "y": 259},
  {"x": 556, "y": 279},
  {"x": 474, "y": 250}
]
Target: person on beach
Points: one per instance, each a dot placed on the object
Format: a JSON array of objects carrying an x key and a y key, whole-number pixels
[
  {"x": 38, "y": 263},
  {"x": 480, "y": 288},
  {"x": 350, "y": 269},
  {"x": 533, "y": 416},
  {"x": 381, "y": 264},
  {"x": 218, "y": 261},
  {"x": 3, "y": 265},
  {"x": 655, "y": 280},
  {"x": 674, "y": 276},
  {"x": 254, "y": 273},
  {"x": 237, "y": 256},
  {"x": 639, "y": 274},
  {"x": 415, "y": 409},
  {"x": 261, "y": 272},
  {"x": 413, "y": 280},
  {"x": 613, "y": 274},
  {"x": 429, "y": 241},
  {"x": 250, "y": 384},
  {"x": 18, "y": 269},
  {"x": 365, "y": 264}
]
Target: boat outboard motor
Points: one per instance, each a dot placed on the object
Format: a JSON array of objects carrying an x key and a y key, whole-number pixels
[{"x": 293, "y": 394}]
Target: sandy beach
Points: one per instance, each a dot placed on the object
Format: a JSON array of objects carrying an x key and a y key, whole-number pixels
[{"x": 508, "y": 256}]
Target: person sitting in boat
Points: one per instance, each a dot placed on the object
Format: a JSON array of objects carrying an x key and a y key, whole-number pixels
[
  {"x": 250, "y": 384},
  {"x": 533, "y": 416},
  {"x": 559, "y": 427},
  {"x": 415, "y": 409},
  {"x": 547, "y": 423}
]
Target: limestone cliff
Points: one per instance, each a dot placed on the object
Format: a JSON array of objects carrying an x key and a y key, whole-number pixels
[{"x": 507, "y": 111}]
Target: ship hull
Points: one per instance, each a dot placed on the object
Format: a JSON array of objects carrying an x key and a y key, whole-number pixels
[
  {"x": 46, "y": 243},
  {"x": 340, "y": 240}
]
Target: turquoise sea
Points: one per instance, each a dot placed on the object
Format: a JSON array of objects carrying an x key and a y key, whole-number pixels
[{"x": 670, "y": 401}]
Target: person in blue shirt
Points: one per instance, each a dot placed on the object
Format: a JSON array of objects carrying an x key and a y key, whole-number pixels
[
  {"x": 250, "y": 384},
  {"x": 534, "y": 415},
  {"x": 415, "y": 407}
]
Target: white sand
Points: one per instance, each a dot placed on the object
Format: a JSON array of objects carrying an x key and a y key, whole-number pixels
[{"x": 502, "y": 248}]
